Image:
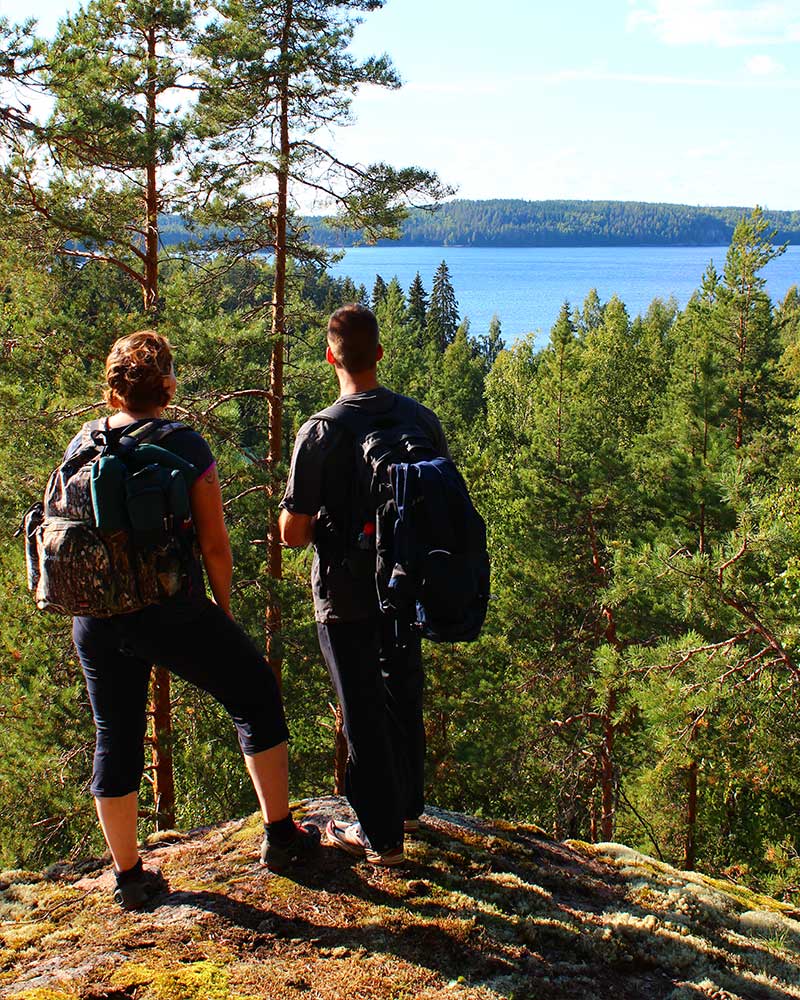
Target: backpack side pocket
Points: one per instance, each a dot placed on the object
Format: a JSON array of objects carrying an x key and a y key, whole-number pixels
[
  {"x": 75, "y": 573},
  {"x": 108, "y": 494},
  {"x": 30, "y": 526},
  {"x": 146, "y": 500}
]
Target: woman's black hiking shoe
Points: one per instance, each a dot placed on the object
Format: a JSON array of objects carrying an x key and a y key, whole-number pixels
[
  {"x": 280, "y": 849},
  {"x": 138, "y": 887}
]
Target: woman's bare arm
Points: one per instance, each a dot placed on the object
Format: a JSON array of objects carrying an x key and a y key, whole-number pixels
[{"x": 209, "y": 522}]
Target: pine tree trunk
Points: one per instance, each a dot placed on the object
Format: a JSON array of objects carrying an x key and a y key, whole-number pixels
[
  {"x": 702, "y": 533},
  {"x": 339, "y": 755},
  {"x": 609, "y": 729},
  {"x": 702, "y": 539},
  {"x": 592, "y": 821},
  {"x": 560, "y": 403},
  {"x": 607, "y": 771},
  {"x": 274, "y": 553},
  {"x": 150, "y": 286},
  {"x": 163, "y": 780},
  {"x": 740, "y": 417},
  {"x": 690, "y": 850},
  {"x": 163, "y": 777},
  {"x": 742, "y": 359}
]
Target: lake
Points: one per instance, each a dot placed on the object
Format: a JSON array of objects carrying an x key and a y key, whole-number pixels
[{"x": 525, "y": 286}]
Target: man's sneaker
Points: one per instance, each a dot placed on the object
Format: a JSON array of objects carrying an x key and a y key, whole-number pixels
[
  {"x": 351, "y": 838},
  {"x": 411, "y": 825},
  {"x": 138, "y": 887},
  {"x": 279, "y": 854}
]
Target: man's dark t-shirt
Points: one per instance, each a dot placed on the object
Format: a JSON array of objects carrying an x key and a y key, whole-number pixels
[
  {"x": 187, "y": 444},
  {"x": 322, "y": 473}
]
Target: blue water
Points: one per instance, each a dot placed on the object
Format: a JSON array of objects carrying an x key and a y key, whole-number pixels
[{"x": 525, "y": 286}]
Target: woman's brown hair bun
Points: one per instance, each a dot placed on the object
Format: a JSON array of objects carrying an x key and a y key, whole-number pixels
[{"x": 135, "y": 371}]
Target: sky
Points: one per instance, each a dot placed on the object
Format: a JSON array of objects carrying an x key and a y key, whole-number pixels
[{"x": 690, "y": 101}]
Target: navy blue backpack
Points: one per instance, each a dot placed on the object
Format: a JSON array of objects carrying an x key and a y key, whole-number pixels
[{"x": 411, "y": 507}]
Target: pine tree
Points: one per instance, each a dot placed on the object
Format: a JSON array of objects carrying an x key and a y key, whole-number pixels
[
  {"x": 110, "y": 154},
  {"x": 402, "y": 366},
  {"x": 112, "y": 151},
  {"x": 455, "y": 391},
  {"x": 279, "y": 75},
  {"x": 752, "y": 342},
  {"x": 683, "y": 455},
  {"x": 490, "y": 346},
  {"x": 590, "y": 316},
  {"x": 442, "y": 319}
]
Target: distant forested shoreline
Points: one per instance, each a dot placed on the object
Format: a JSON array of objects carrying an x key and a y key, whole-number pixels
[
  {"x": 514, "y": 223},
  {"x": 502, "y": 222}
]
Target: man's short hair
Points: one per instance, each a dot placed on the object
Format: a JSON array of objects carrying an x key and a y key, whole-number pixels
[{"x": 353, "y": 337}]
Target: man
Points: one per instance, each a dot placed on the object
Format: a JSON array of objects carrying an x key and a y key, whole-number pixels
[{"x": 376, "y": 668}]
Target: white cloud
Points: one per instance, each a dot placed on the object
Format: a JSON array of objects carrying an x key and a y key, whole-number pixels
[
  {"x": 759, "y": 67},
  {"x": 763, "y": 66},
  {"x": 613, "y": 76},
  {"x": 718, "y": 22},
  {"x": 712, "y": 152}
]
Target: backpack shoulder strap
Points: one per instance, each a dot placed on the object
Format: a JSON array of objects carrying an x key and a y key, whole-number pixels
[
  {"x": 403, "y": 410},
  {"x": 406, "y": 409},
  {"x": 165, "y": 430},
  {"x": 90, "y": 437},
  {"x": 91, "y": 428},
  {"x": 149, "y": 432},
  {"x": 348, "y": 416}
]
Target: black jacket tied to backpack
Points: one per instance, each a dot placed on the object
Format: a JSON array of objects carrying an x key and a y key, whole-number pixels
[{"x": 413, "y": 525}]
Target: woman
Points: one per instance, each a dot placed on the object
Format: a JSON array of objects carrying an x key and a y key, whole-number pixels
[{"x": 191, "y": 636}]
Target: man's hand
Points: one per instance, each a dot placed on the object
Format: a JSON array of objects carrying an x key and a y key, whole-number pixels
[{"x": 296, "y": 530}]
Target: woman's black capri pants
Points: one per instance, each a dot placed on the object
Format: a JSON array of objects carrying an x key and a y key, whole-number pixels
[{"x": 198, "y": 642}]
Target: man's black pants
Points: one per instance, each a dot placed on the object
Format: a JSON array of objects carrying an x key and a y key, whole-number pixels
[{"x": 379, "y": 683}]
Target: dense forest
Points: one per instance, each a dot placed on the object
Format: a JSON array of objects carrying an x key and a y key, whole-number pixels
[
  {"x": 637, "y": 679},
  {"x": 512, "y": 223},
  {"x": 638, "y": 675}
]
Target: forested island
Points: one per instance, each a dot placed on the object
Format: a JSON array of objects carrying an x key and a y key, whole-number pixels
[{"x": 502, "y": 222}]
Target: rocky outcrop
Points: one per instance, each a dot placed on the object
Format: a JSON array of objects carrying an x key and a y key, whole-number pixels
[{"x": 482, "y": 910}]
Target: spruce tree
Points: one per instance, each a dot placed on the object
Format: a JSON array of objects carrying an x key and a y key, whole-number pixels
[
  {"x": 442, "y": 318},
  {"x": 378, "y": 292},
  {"x": 417, "y": 302},
  {"x": 349, "y": 291}
]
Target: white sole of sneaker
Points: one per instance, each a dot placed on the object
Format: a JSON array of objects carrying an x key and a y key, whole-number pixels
[
  {"x": 385, "y": 860},
  {"x": 336, "y": 836}
]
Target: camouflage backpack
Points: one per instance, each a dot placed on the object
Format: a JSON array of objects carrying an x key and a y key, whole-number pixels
[{"x": 114, "y": 533}]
